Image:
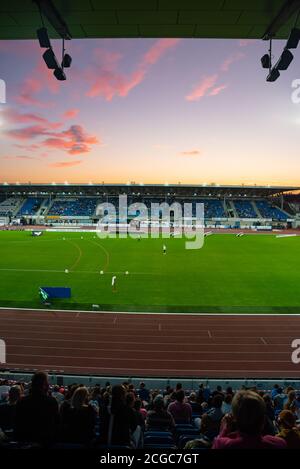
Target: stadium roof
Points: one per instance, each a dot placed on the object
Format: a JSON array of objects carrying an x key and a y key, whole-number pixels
[
  {"x": 242, "y": 19},
  {"x": 202, "y": 190}
]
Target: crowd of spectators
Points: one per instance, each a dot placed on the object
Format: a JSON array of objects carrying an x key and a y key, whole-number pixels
[{"x": 123, "y": 415}]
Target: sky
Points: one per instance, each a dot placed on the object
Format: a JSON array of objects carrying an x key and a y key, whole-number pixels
[{"x": 190, "y": 111}]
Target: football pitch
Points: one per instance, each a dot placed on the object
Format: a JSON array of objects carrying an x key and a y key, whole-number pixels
[{"x": 250, "y": 274}]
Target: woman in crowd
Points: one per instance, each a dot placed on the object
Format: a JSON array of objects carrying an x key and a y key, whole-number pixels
[
  {"x": 78, "y": 421},
  {"x": 288, "y": 429},
  {"x": 243, "y": 429}
]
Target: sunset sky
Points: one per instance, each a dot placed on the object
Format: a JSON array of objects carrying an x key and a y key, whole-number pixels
[{"x": 153, "y": 111}]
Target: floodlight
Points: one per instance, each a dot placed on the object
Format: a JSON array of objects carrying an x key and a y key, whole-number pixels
[
  {"x": 266, "y": 61},
  {"x": 67, "y": 60},
  {"x": 59, "y": 74},
  {"x": 293, "y": 39},
  {"x": 284, "y": 60},
  {"x": 50, "y": 59},
  {"x": 273, "y": 75},
  {"x": 43, "y": 38}
]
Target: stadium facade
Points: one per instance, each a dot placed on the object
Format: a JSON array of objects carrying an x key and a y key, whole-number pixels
[{"x": 76, "y": 204}]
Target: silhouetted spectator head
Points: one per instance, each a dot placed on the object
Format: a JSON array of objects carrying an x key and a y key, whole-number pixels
[
  {"x": 138, "y": 404},
  {"x": 207, "y": 424},
  {"x": 286, "y": 419},
  {"x": 178, "y": 386},
  {"x": 249, "y": 410},
  {"x": 217, "y": 401},
  {"x": 80, "y": 398},
  {"x": 142, "y": 385},
  {"x": 130, "y": 399},
  {"x": 180, "y": 395},
  {"x": 267, "y": 398},
  {"x": 159, "y": 403},
  {"x": 228, "y": 398},
  {"x": 14, "y": 394},
  {"x": 39, "y": 383},
  {"x": 118, "y": 397}
]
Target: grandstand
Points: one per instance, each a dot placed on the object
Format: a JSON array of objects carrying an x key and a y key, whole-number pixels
[{"x": 223, "y": 205}]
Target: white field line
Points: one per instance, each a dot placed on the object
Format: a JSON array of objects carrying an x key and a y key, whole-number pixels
[
  {"x": 166, "y": 372},
  {"x": 149, "y": 313},
  {"x": 96, "y": 272},
  {"x": 88, "y": 341}
]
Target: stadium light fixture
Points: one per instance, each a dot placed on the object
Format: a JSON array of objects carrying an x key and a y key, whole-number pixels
[
  {"x": 50, "y": 59},
  {"x": 66, "y": 62},
  {"x": 273, "y": 75},
  {"x": 266, "y": 61},
  {"x": 59, "y": 74},
  {"x": 284, "y": 60},
  {"x": 293, "y": 39},
  {"x": 43, "y": 38}
]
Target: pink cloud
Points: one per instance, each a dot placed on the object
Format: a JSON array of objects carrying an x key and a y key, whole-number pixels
[
  {"x": 15, "y": 117},
  {"x": 65, "y": 164},
  {"x": 230, "y": 60},
  {"x": 217, "y": 90},
  {"x": 71, "y": 113},
  {"x": 246, "y": 42},
  {"x": 19, "y": 157},
  {"x": 108, "y": 82},
  {"x": 202, "y": 88},
  {"x": 41, "y": 78},
  {"x": 158, "y": 49},
  {"x": 190, "y": 152},
  {"x": 27, "y": 133},
  {"x": 74, "y": 140},
  {"x": 32, "y": 147}
]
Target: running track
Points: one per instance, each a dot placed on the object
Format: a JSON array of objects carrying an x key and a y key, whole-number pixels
[{"x": 151, "y": 345}]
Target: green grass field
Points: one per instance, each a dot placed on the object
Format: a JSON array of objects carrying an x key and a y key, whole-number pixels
[{"x": 229, "y": 274}]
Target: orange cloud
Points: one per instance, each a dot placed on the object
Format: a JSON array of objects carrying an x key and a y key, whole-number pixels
[
  {"x": 19, "y": 157},
  {"x": 190, "y": 152},
  {"x": 65, "y": 164},
  {"x": 201, "y": 89}
]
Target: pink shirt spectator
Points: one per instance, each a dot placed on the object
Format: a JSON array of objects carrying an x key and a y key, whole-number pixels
[
  {"x": 237, "y": 440},
  {"x": 181, "y": 411}
]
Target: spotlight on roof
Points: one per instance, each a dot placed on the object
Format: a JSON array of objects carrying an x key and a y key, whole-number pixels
[
  {"x": 273, "y": 75},
  {"x": 59, "y": 74},
  {"x": 293, "y": 39},
  {"x": 50, "y": 59},
  {"x": 266, "y": 61},
  {"x": 43, "y": 38},
  {"x": 67, "y": 60},
  {"x": 284, "y": 60}
]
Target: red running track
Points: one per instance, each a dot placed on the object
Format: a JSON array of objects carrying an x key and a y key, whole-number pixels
[{"x": 143, "y": 345}]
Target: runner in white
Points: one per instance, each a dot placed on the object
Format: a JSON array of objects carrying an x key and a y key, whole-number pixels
[
  {"x": 164, "y": 249},
  {"x": 113, "y": 282}
]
